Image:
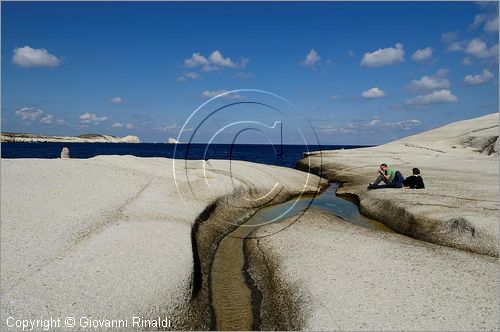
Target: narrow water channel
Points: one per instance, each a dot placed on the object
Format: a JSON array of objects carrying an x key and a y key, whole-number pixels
[{"x": 231, "y": 295}]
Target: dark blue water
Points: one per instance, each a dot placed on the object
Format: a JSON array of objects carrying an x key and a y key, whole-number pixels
[{"x": 264, "y": 154}]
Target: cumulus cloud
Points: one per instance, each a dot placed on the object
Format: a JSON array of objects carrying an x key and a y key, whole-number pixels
[
  {"x": 31, "y": 115},
  {"x": 373, "y": 93},
  {"x": 211, "y": 94},
  {"x": 422, "y": 54},
  {"x": 28, "y": 57},
  {"x": 312, "y": 58},
  {"x": 435, "y": 97},
  {"x": 426, "y": 83},
  {"x": 489, "y": 21},
  {"x": 484, "y": 77},
  {"x": 116, "y": 100},
  {"x": 478, "y": 48},
  {"x": 92, "y": 118},
  {"x": 196, "y": 60},
  {"x": 384, "y": 56},
  {"x": 215, "y": 61},
  {"x": 491, "y": 25},
  {"x": 216, "y": 58}
]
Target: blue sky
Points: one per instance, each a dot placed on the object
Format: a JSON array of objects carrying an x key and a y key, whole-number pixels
[{"x": 359, "y": 72}]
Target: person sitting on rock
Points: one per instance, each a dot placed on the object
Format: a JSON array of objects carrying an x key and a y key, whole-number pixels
[
  {"x": 415, "y": 181},
  {"x": 390, "y": 177}
]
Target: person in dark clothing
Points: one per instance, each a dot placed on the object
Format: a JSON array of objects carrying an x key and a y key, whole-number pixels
[
  {"x": 390, "y": 177},
  {"x": 415, "y": 181}
]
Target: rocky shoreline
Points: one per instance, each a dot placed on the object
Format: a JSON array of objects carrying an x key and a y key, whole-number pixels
[{"x": 88, "y": 138}]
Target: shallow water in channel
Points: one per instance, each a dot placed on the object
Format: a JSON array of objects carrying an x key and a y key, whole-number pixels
[{"x": 231, "y": 295}]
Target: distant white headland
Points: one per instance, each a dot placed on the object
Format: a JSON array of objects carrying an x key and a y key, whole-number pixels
[
  {"x": 173, "y": 141},
  {"x": 87, "y": 138}
]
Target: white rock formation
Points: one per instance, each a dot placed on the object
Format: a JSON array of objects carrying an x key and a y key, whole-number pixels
[
  {"x": 172, "y": 141},
  {"x": 89, "y": 138},
  {"x": 115, "y": 240},
  {"x": 65, "y": 153},
  {"x": 460, "y": 166}
]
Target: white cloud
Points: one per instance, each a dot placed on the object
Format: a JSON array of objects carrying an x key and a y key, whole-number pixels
[
  {"x": 47, "y": 119},
  {"x": 329, "y": 130},
  {"x": 373, "y": 93},
  {"x": 120, "y": 125},
  {"x": 478, "y": 20},
  {"x": 196, "y": 60},
  {"x": 172, "y": 127},
  {"x": 478, "y": 48},
  {"x": 189, "y": 75},
  {"x": 334, "y": 97},
  {"x": 443, "y": 72},
  {"x": 216, "y": 58},
  {"x": 351, "y": 54},
  {"x": 117, "y": 100},
  {"x": 211, "y": 94},
  {"x": 491, "y": 25},
  {"x": 92, "y": 118},
  {"x": 384, "y": 56},
  {"x": 426, "y": 83},
  {"x": 435, "y": 97},
  {"x": 403, "y": 125},
  {"x": 375, "y": 124},
  {"x": 312, "y": 58},
  {"x": 484, "y": 77},
  {"x": 214, "y": 62},
  {"x": 34, "y": 57},
  {"x": 456, "y": 46},
  {"x": 31, "y": 115},
  {"x": 449, "y": 37},
  {"x": 467, "y": 61},
  {"x": 245, "y": 75},
  {"x": 422, "y": 54},
  {"x": 489, "y": 21},
  {"x": 192, "y": 75}
]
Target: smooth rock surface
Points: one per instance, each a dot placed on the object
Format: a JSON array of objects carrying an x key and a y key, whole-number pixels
[
  {"x": 110, "y": 237},
  {"x": 459, "y": 164},
  {"x": 328, "y": 274}
]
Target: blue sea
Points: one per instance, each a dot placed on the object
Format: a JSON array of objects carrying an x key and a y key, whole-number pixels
[{"x": 286, "y": 156}]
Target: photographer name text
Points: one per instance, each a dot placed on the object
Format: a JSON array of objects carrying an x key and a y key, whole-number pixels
[{"x": 90, "y": 323}]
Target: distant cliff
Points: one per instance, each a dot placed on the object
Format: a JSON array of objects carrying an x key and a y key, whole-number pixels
[
  {"x": 88, "y": 138},
  {"x": 172, "y": 141}
]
